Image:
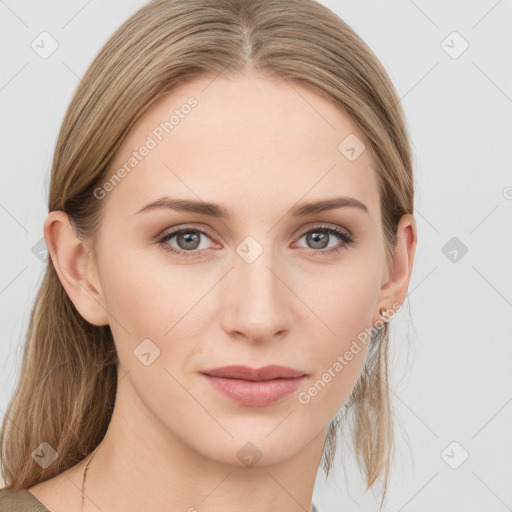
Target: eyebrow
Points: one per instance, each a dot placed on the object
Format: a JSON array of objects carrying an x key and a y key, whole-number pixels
[{"x": 217, "y": 210}]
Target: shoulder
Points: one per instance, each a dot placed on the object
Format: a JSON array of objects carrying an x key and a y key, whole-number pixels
[{"x": 20, "y": 501}]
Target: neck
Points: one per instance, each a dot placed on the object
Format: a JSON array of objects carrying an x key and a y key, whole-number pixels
[{"x": 142, "y": 465}]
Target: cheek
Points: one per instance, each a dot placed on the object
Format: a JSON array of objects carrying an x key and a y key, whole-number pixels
[
  {"x": 148, "y": 298},
  {"x": 343, "y": 309},
  {"x": 140, "y": 290},
  {"x": 133, "y": 297},
  {"x": 344, "y": 298}
]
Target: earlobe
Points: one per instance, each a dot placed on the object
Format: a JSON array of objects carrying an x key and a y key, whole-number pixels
[
  {"x": 74, "y": 264},
  {"x": 394, "y": 291}
]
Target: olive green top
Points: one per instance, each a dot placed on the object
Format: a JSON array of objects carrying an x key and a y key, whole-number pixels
[
  {"x": 20, "y": 501},
  {"x": 25, "y": 501}
]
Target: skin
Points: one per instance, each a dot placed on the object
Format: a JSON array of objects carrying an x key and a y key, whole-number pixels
[{"x": 173, "y": 440}]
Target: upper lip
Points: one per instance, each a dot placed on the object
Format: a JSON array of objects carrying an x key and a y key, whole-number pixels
[{"x": 254, "y": 374}]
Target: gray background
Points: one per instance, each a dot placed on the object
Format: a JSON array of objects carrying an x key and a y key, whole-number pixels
[{"x": 451, "y": 371}]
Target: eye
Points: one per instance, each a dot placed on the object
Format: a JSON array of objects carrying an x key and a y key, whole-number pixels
[
  {"x": 320, "y": 236},
  {"x": 187, "y": 239}
]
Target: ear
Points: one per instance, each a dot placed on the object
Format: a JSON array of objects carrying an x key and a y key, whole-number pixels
[
  {"x": 396, "y": 282},
  {"x": 76, "y": 267}
]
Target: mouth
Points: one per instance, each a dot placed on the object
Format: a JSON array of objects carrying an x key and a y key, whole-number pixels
[{"x": 255, "y": 387}]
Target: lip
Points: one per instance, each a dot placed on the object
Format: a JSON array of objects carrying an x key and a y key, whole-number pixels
[
  {"x": 254, "y": 374},
  {"x": 255, "y": 387}
]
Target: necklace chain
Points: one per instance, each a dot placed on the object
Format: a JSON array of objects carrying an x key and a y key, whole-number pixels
[{"x": 83, "y": 481}]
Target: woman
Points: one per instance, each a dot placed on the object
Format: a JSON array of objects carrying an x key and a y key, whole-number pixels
[{"x": 230, "y": 231}]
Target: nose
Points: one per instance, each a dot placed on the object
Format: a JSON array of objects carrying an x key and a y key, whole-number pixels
[{"x": 258, "y": 301}]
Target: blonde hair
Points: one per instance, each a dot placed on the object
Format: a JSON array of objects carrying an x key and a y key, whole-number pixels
[{"x": 66, "y": 391}]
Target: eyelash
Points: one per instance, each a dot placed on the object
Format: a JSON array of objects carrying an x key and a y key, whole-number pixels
[{"x": 344, "y": 236}]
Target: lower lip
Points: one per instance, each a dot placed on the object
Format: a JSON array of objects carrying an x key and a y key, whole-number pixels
[{"x": 255, "y": 394}]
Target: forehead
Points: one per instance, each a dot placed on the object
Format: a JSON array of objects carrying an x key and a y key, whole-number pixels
[{"x": 249, "y": 143}]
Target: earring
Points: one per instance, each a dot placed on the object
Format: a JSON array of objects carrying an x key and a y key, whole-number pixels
[{"x": 382, "y": 312}]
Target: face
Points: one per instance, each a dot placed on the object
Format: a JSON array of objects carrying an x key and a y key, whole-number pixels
[{"x": 270, "y": 283}]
